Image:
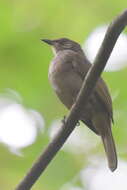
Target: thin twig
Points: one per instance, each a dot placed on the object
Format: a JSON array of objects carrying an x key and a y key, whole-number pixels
[{"x": 94, "y": 73}]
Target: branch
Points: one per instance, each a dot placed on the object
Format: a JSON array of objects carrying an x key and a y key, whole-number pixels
[{"x": 89, "y": 83}]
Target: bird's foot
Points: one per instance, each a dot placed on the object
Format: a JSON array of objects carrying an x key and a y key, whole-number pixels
[{"x": 63, "y": 120}]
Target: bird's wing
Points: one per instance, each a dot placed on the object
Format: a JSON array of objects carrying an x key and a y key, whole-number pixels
[
  {"x": 103, "y": 94},
  {"x": 101, "y": 89}
]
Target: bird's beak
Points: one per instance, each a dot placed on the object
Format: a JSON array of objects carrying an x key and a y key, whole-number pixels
[{"x": 50, "y": 42}]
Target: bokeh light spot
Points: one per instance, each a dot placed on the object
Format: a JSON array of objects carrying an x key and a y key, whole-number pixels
[
  {"x": 118, "y": 58},
  {"x": 18, "y": 125},
  {"x": 98, "y": 178},
  {"x": 82, "y": 140}
]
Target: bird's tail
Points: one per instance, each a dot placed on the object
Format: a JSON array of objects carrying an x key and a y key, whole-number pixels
[
  {"x": 102, "y": 124},
  {"x": 110, "y": 149}
]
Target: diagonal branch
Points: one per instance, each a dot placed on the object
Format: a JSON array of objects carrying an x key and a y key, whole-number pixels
[{"x": 113, "y": 32}]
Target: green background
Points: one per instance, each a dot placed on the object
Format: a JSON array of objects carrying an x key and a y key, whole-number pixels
[{"x": 24, "y": 62}]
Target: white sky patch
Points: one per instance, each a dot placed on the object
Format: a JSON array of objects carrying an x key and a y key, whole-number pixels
[
  {"x": 18, "y": 125},
  {"x": 82, "y": 140},
  {"x": 118, "y": 58},
  {"x": 101, "y": 178}
]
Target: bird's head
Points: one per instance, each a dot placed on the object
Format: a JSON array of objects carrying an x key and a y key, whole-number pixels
[{"x": 63, "y": 44}]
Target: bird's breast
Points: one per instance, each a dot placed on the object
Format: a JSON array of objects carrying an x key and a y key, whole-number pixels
[
  {"x": 65, "y": 82},
  {"x": 57, "y": 77}
]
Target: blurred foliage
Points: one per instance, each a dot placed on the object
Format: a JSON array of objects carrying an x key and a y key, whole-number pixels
[{"x": 24, "y": 62}]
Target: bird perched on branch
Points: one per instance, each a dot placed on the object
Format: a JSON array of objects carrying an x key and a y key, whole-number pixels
[{"x": 66, "y": 74}]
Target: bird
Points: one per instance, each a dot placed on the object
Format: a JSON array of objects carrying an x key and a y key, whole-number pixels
[{"x": 66, "y": 74}]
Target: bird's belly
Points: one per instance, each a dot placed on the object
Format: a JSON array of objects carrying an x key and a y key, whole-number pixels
[{"x": 67, "y": 86}]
